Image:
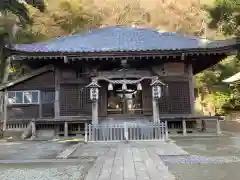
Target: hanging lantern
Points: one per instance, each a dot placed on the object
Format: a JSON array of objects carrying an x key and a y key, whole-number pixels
[
  {"x": 157, "y": 89},
  {"x": 156, "y": 92},
  {"x": 124, "y": 86},
  {"x": 139, "y": 87},
  {"x": 94, "y": 90},
  {"x": 94, "y": 93},
  {"x": 110, "y": 87}
]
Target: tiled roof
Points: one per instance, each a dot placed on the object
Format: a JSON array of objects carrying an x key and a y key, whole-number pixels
[
  {"x": 233, "y": 79},
  {"x": 118, "y": 38}
]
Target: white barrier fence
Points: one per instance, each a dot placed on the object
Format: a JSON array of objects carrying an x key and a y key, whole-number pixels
[{"x": 126, "y": 132}]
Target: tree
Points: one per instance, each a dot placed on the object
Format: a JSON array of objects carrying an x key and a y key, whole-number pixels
[
  {"x": 60, "y": 18},
  {"x": 225, "y": 16},
  {"x": 12, "y": 12},
  {"x": 177, "y": 16},
  {"x": 19, "y": 8},
  {"x": 75, "y": 15},
  {"x": 65, "y": 17}
]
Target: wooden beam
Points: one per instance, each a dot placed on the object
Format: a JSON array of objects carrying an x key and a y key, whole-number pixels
[
  {"x": 5, "y": 111},
  {"x": 184, "y": 126},
  {"x": 40, "y": 105},
  {"x": 65, "y": 59},
  {"x": 33, "y": 123},
  {"x": 95, "y": 112},
  {"x": 65, "y": 129},
  {"x": 130, "y": 73},
  {"x": 154, "y": 104},
  {"x": 191, "y": 89},
  {"x": 218, "y": 128}
]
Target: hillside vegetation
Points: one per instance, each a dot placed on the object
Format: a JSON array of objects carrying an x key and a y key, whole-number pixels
[{"x": 214, "y": 19}]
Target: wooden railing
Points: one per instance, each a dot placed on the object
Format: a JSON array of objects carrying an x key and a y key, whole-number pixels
[{"x": 126, "y": 132}]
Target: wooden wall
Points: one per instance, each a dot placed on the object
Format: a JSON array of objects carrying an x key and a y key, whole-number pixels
[
  {"x": 75, "y": 100},
  {"x": 147, "y": 98},
  {"x": 44, "y": 83},
  {"x": 102, "y": 103},
  {"x": 40, "y": 82}
]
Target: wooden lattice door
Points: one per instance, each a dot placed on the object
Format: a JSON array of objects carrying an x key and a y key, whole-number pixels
[
  {"x": 47, "y": 103},
  {"x": 102, "y": 102},
  {"x": 147, "y": 97}
]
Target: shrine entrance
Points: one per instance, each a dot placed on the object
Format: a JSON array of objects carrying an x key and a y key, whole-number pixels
[
  {"x": 125, "y": 99},
  {"x": 125, "y": 96}
]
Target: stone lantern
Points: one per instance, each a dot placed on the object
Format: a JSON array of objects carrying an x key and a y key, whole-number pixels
[
  {"x": 157, "y": 88},
  {"x": 94, "y": 90},
  {"x": 94, "y": 95}
]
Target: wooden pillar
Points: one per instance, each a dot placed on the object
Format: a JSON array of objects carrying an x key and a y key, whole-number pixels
[
  {"x": 166, "y": 132},
  {"x": 86, "y": 133},
  {"x": 94, "y": 96},
  {"x": 5, "y": 104},
  {"x": 40, "y": 105},
  {"x": 155, "y": 105},
  {"x": 184, "y": 126},
  {"x": 218, "y": 127},
  {"x": 65, "y": 129},
  {"x": 154, "y": 110},
  {"x": 33, "y": 124},
  {"x": 157, "y": 111},
  {"x": 191, "y": 89},
  {"x": 57, "y": 94},
  {"x": 95, "y": 112}
]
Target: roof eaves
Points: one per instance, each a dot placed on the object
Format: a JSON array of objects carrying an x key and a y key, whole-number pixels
[
  {"x": 232, "y": 79},
  {"x": 158, "y": 51},
  {"x": 27, "y": 76}
]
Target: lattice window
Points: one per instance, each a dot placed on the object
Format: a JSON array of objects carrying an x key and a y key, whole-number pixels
[
  {"x": 69, "y": 100},
  {"x": 179, "y": 98},
  {"x": 74, "y": 100},
  {"x": 47, "y": 100},
  {"x": 84, "y": 97},
  {"x": 163, "y": 104}
]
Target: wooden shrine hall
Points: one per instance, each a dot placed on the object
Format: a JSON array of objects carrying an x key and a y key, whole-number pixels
[{"x": 108, "y": 75}]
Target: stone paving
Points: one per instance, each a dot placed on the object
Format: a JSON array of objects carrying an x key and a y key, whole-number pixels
[
  {"x": 36, "y": 160},
  {"x": 131, "y": 161},
  {"x": 202, "y": 158},
  {"x": 215, "y": 158}
]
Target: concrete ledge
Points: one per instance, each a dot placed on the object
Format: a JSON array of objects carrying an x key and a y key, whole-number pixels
[
  {"x": 67, "y": 152},
  {"x": 27, "y": 161},
  {"x": 225, "y": 132}
]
